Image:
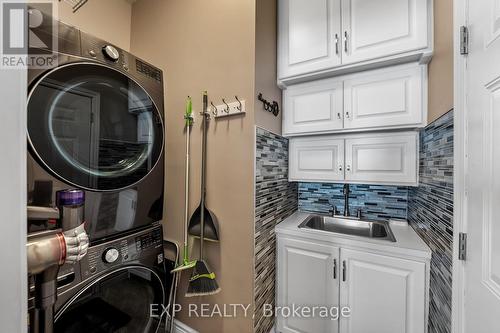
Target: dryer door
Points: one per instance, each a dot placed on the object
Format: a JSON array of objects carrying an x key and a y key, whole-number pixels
[
  {"x": 120, "y": 301},
  {"x": 94, "y": 127}
]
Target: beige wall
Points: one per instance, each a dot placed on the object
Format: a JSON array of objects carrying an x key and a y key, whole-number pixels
[
  {"x": 441, "y": 66},
  {"x": 265, "y": 64},
  {"x": 208, "y": 45},
  {"x": 107, "y": 19}
]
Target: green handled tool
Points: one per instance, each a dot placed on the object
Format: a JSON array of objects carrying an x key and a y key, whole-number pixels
[{"x": 186, "y": 263}]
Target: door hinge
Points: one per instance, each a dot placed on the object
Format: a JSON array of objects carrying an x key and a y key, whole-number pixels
[
  {"x": 462, "y": 246},
  {"x": 464, "y": 40}
]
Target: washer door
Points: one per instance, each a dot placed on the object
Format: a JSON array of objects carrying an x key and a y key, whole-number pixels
[
  {"x": 94, "y": 127},
  {"x": 117, "y": 302}
]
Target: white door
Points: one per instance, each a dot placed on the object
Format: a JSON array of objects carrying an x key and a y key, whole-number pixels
[
  {"x": 482, "y": 185},
  {"x": 377, "y": 28},
  {"x": 309, "y": 36},
  {"x": 307, "y": 276},
  {"x": 385, "y": 294},
  {"x": 385, "y": 98},
  {"x": 319, "y": 158},
  {"x": 389, "y": 158},
  {"x": 313, "y": 107}
]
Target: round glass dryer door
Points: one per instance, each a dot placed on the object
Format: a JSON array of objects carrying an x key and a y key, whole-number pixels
[
  {"x": 94, "y": 127},
  {"x": 119, "y": 302}
]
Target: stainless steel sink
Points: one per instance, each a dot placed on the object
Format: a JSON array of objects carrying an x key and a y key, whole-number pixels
[{"x": 350, "y": 226}]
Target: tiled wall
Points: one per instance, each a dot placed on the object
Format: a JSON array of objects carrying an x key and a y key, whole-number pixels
[
  {"x": 275, "y": 200},
  {"x": 430, "y": 213},
  {"x": 375, "y": 201}
]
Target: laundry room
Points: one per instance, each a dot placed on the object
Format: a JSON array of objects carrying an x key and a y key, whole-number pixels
[{"x": 264, "y": 166}]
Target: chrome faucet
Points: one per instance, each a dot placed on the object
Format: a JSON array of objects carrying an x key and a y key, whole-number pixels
[{"x": 346, "y": 199}]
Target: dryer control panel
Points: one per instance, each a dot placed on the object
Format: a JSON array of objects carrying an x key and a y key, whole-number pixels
[{"x": 142, "y": 248}]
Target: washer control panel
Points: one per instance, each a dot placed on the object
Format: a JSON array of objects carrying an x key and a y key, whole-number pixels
[{"x": 144, "y": 247}]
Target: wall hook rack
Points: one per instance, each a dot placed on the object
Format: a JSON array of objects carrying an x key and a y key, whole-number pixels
[
  {"x": 272, "y": 107},
  {"x": 228, "y": 108}
]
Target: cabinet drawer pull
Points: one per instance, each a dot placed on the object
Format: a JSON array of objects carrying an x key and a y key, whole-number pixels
[
  {"x": 334, "y": 269},
  {"x": 336, "y": 44},
  {"x": 346, "y": 38},
  {"x": 343, "y": 271}
]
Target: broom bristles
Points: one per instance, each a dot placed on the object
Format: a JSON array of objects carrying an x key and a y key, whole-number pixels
[{"x": 200, "y": 284}]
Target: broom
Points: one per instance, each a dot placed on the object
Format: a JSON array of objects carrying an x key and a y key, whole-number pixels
[{"x": 202, "y": 281}]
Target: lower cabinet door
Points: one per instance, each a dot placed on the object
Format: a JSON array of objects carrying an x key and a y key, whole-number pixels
[
  {"x": 385, "y": 294},
  {"x": 307, "y": 276}
]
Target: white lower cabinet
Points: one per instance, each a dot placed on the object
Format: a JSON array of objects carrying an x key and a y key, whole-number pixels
[
  {"x": 385, "y": 294},
  {"x": 308, "y": 276},
  {"x": 388, "y": 158}
]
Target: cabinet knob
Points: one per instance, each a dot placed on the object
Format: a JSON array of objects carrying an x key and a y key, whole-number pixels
[
  {"x": 347, "y": 114},
  {"x": 339, "y": 116},
  {"x": 340, "y": 167},
  {"x": 348, "y": 168}
]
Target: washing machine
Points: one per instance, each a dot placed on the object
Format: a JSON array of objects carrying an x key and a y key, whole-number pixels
[
  {"x": 95, "y": 122},
  {"x": 120, "y": 286}
]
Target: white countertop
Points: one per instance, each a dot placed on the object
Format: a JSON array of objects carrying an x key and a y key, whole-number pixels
[{"x": 408, "y": 243}]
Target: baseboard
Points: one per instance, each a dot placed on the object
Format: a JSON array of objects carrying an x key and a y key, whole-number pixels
[{"x": 180, "y": 327}]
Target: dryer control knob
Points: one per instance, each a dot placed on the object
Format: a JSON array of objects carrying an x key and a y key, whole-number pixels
[
  {"x": 111, "y": 52},
  {"x": 110, "y": 255}
]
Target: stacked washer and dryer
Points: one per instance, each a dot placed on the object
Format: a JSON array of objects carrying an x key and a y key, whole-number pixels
[{"x": 95, "y": 123}]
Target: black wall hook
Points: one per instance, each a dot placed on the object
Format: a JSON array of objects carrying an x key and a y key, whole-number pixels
[{"x": 272, "y": 107}]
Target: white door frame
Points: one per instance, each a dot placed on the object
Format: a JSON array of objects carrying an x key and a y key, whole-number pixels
[
  {"x": 13, "y": 287},
  {"x": 460, "y": 8}
]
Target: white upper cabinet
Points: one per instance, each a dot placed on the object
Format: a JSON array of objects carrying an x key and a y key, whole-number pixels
[
  {"x": 386, "y": 98},
  {"x": 316, "y": 159},
  {"x": 308, "y": 31},
  {"x": 324, "y": 38},
  {"x": 374, "y": 158},
  {"x": 388, "y": 158},
  {"x": 379, "y": 28},
  {"x": 313, "y": 107}
]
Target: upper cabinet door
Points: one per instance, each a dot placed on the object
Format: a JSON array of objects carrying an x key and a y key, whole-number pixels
[
  {"x": 316, "y": 159},
  {"x": 313, "y": 107},
  {"x": 378, "y": 28},
  {"x": 385, "y": 98},
  {"x": 388, "y": 158},
  {"x": 309, "y": 36},
  {"x": 385, "y": 294}
]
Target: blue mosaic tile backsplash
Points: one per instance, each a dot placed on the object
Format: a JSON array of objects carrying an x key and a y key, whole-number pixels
[
  {"x": 430, "y": 213},
  {"x": 275, "y": 200},
  {"x": 377, "y": 202}
]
